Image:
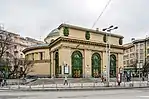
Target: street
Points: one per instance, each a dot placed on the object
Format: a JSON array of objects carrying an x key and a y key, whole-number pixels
[{"x": 105, "y": 94}]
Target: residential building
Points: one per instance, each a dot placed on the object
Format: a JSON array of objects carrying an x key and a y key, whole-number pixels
[
  {"x": 77, "y": 52},
  {"x": 16, "y": 45},
  {"x": 136, "y": 53}
]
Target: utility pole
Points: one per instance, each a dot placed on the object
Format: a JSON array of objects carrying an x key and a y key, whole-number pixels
[{"x": 108, "y": 47}]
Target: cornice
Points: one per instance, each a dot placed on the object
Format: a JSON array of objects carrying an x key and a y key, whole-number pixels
[{"x": 66, "y": 39}]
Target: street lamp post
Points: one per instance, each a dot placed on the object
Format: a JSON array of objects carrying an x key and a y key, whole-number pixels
[{"x": 108, "y": 52}]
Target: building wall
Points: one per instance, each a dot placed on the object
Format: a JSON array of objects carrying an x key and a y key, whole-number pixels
[
  {"x": 66, "y": 49},
  {"x": 136, "y": 52},
  {"x": 36, "y": 53},
  {"x": 41, "y": 69},
  {"x": 18, "y": 44},
  {"x": 129, "y": 56},
  {"x": 65, "y": 57},
  {"x": 96, "y": 37}
]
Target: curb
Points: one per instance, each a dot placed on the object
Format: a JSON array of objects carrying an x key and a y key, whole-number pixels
[{"x": 75, "y": 89}]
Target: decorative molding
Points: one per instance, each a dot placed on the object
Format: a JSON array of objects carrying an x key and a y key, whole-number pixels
[
  {"x": 83, "y": 42},
  {"x": 42, "y": 61},
  {"x": 105, "y": 38},
  {"x": 66, "y": 31},
  {"x": 89, "y": 49},
  {"x": 87, "y": 35},
  {"x": 120, "y": 41}
]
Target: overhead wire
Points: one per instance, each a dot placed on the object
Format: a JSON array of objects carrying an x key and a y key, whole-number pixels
[{"x": 101, "y": 13}]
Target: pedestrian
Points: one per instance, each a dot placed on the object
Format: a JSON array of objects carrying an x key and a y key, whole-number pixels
[
  {"x": 65, "y": 80},
  {"x": 1, "y": 81},
  {"x": 5, "y": 82},
  {"x": 143, "y": 78},
  {"x": 102, "y": 78},
  {"x": 119, "y": 79}
]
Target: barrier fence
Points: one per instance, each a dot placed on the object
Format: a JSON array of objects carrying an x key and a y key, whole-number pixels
[{"x": 81, "y": 85}]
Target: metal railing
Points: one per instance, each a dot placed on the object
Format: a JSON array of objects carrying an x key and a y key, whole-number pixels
[{"x": 80, "y": 85}]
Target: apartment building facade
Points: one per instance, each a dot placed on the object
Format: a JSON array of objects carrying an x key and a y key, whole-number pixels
[
  {"x": 136, "y": 54},
  {"x": 16, "y": 45}
]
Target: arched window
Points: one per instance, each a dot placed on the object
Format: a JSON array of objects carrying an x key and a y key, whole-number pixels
[
  {"x": 112, "y": 65},
  {"x": 76, "y": 59},
  {"x": 96, "y": 65}
]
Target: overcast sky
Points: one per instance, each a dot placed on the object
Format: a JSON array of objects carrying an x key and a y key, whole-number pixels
[{"x": 36, "y": 18}]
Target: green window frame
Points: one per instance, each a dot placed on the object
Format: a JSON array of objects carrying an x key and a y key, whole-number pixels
[
  {"x": 96, "y": 65},
  {"x": 77, "y": 64},
  {"x": 112, "y": 65}
]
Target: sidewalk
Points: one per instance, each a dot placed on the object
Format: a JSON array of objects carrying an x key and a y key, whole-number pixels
[{"x": 77, "y": 86}]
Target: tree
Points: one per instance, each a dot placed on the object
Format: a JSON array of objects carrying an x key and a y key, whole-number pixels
[
  {"x": 5, "y": 43},
  {"x": 9, "y": 63},
  {"x": 21, "y": 68},
  {"x": 135, "y": 62},
  {"x": 5, "y": 46},
  {"x": 146, "y": 67}
]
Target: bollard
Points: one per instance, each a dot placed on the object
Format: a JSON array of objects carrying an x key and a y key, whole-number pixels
[
  {"x": 69, "y": 85},
  {"x": 115, "y": 84},
  {"x": 131, "y": 84},
  {"x": 43, "y": 85},
  {"x": 9, "y": 87},
  {"x": 81, "y": 85},
  {"x": 56, "y": 85},
  {"x": 147, "y": 83},
  {"x": 30, "y": 86},
  {"x": 18, "y": 86},
  {"x": 94, "y": 85},
  {"x": 140, "y": 84}
]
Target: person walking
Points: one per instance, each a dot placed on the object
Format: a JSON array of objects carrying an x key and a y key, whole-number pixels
[
  {"x": 4, "y": 82},
  {"x": 65, "y": 80},
  {"x": 1, "y": 80}
]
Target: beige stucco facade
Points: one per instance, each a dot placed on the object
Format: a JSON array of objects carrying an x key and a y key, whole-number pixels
[
  {"x": 66, "y": 49},
  {"x": 41, "y": 63},
  {"x": 65, "y": 46}
]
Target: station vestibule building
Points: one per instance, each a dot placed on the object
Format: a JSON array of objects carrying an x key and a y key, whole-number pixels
[{"x": 76, "y": 51}]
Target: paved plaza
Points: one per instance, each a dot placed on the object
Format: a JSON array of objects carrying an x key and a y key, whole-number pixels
[{"x": 106, "y": 94}]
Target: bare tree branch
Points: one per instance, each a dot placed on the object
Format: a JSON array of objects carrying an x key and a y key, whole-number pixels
[
  {"x": 5, "y": 43},
  {"x": 21, "y": 67}
]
